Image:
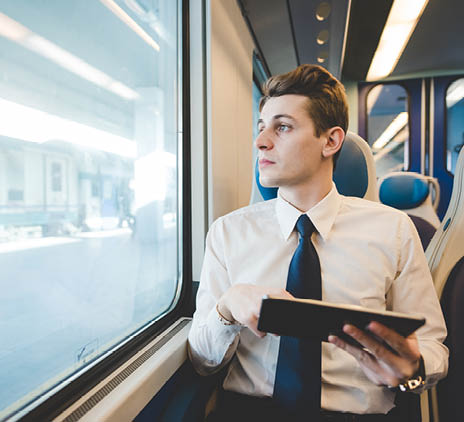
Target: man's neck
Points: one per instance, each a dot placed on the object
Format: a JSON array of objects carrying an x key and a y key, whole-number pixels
[{"x": 304, "y": 197}]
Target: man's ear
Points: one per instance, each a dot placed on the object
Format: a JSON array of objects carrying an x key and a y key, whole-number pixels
[{"x": 334, "y": 138}]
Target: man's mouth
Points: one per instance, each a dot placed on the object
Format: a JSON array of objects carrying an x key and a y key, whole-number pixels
[{"x": 263, "y": 162}]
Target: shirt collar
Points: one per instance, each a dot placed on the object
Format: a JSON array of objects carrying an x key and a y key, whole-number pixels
[{"x": 322, "y": 214}]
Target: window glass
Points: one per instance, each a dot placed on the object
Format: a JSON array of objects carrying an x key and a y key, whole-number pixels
[
  {"x": 387, "y": 127},
  {"x": 88, "y": 183},
  {"x": 454, "y": 123},
  {"x": 256, "y": 97},
  {"x": 259, "y": 77}
]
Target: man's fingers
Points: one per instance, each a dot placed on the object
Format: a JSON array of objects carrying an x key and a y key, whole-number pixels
[
  {"x": 251, "y": 321},
  {"x": 362, "y": 355},
  {"x": 258, "y": 333},
  {"x": 243, "y": 302},
  {"x": 374, "y": 346},
  {"x": 396, "y": 341},
  {"x": 281, "y": 293},
  {"x": 371, "y": 366},
  {"x": 254, "y": 328},
  {"x": 400, "y": 366}
]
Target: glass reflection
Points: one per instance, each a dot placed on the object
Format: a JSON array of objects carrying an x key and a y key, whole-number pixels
[
  {"x": 387, "y": 127},
  {"x": 454, "y": 123}
]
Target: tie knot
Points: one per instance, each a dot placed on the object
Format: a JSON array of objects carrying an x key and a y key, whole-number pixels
[{"x": 305, "y": 226}]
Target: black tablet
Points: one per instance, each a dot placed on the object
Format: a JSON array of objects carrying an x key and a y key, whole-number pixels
[{"x": 317, "y": 319}]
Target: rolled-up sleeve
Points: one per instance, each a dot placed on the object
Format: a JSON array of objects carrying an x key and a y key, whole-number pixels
[{"x": 211, "y": 342}]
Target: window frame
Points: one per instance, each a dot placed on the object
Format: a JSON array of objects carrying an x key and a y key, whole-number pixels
[
  {"x": 438, "y": 138},
  {"x": 51, "y": 404},
  {"x": 453, "y": 79},
  {"x": 366, "y": 90}
]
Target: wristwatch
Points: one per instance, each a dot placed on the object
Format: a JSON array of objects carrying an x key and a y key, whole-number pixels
[
  {"x": 222, "y": 318},
  {"x": 416, "y": 381}
]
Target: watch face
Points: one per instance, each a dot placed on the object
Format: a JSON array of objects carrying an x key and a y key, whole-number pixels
[{"x": 412, "y": 384}]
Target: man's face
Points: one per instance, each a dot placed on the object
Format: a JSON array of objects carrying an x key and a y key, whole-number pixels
[{"x": 290, "y": 154}]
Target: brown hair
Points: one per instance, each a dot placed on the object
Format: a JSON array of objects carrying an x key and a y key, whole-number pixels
[{"x": 327, "y": 105}]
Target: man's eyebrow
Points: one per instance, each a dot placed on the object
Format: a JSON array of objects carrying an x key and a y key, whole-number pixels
[{"x": 278, "y": 116}]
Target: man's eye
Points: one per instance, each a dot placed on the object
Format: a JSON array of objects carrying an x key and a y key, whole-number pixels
[
  {"x": 283, "y": 128},
  {"x": 260, "y": 129}
]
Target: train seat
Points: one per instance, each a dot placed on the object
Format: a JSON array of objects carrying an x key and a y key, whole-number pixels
[
  {"x": 425, "y": 229},
  {"x": 445, "y": 255},
  {"x": 354, "y": 174},
  {"x": 412, "y": 193}
]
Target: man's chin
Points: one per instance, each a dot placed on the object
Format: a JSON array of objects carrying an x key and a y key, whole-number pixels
[{"x": 269, "y": 183}]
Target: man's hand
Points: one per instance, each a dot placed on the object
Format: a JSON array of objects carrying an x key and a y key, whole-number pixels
[
  {"x": 381, "y": 365},
  {"x": 242, "y": 303}
]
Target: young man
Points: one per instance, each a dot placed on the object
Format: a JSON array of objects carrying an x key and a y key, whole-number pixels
[{"x": 361, "y": 252}]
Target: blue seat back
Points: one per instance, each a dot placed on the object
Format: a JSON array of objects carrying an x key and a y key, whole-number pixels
[
  {"x": 404, "y": 192},
  {"x": 412, "y": 193}
]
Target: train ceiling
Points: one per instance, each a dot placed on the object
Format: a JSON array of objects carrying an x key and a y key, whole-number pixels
[{"x": 343, "y": 37}]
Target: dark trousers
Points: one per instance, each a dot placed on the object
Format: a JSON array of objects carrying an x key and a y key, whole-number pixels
[{"x": 234, "y": 407}]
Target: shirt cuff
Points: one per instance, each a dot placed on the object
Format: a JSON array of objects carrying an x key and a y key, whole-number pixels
[
  {"x": 224, "y": 332},
  {"x": 431, "y": 378}
]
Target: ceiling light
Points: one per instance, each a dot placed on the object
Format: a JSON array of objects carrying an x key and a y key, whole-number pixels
[
  {"x": 323, "y": 56},
  {"x": 122, "y": 90},
  {"x": 67, "y": 60},
  {"x": 323, "y": 37},
  {"x": 455, "y": 93},
  {"x": 32, "y": 125},
  {"x": 400, "y": 138},
  {"x": 110, "y": 4},
  {"x": 402, "y": 20},
  {"x": 152, "y": 19},
  {"x": 13, "y": 30},
  {"x": 78, "y": 66},
  {"x": 323, "y": 11},
  {"x": 393, "y": 128}
]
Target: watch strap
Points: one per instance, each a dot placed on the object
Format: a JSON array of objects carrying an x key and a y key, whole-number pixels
[{"x": 416, "y": 381}]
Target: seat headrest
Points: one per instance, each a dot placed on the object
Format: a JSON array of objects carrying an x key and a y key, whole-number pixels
[
  {"x": 351, "y": 174},
  {"x": 447, "y": 245},
  {"x": 354, "y": 173},
  {"x": 403, "y": 191}
]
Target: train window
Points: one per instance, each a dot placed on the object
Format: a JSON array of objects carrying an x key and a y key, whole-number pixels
[
  {"x": 387, "y": 127},
  {"x": 259, "y": 78},
  {"x": 89, "y": 183},
  {"x": 454, "y": 123},
  {"x": 256, "y": 97}
]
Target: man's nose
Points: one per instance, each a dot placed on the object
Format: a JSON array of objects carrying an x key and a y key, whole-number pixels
[{"x": 264, "y": 140}]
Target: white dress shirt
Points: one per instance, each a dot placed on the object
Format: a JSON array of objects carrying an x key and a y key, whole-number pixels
[{"x": 370, "y": 255}]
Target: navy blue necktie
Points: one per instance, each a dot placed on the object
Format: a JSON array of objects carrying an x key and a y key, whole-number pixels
[{"x": 297, "y": 386}]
